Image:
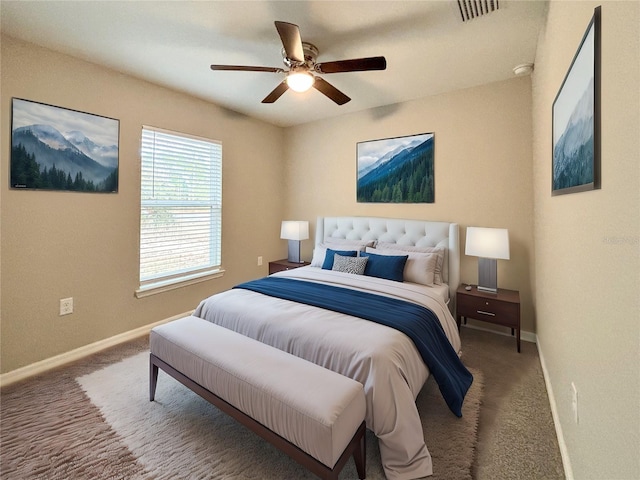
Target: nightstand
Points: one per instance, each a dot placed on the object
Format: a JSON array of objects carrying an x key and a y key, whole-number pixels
[
  {"x": 502, "y": 308},
  {"x": 282, "y": 265}
]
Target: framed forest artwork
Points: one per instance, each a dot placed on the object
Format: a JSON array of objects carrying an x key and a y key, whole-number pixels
[
  {"x": 576, "y": 119},
  {"x": 54, "y": 148},
  {"x": 396, "y": 170}
]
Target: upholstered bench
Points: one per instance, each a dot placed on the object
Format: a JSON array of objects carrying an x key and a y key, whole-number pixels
[{"x": 314, "y": 415}]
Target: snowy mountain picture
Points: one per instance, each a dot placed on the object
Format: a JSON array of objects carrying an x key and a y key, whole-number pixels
[
  {"x": 575, "y": 162},
  {"x": 53, "y": 148},
  {"x": 573, "y": 151},
  {"x": 396, "y": 170}
]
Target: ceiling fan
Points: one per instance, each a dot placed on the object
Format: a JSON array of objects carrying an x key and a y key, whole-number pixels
[{"x": 300, "y": 58}]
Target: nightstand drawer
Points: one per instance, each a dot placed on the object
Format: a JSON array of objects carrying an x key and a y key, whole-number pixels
[
  {"x": 501, "y": 308},
  {"x": 495, "y": 311}
]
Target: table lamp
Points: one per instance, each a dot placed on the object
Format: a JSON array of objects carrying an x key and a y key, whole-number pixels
[
  {"x": 294, "y": 231},
  {"x": 489, "y": 244}
]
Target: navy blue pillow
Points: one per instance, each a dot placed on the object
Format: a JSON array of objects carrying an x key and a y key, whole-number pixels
[
  {"x": 328, "y": 257},
  {"x": 390, "y": 267}
]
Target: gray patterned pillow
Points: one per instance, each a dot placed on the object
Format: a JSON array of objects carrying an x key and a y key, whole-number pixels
[{"x": 354, "y": 265}]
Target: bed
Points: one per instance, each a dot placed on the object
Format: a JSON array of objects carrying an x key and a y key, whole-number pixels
[{"x": 389, "y": 364}]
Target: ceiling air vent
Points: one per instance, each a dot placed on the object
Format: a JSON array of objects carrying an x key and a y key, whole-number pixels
[{"x": 470, "y": 9}]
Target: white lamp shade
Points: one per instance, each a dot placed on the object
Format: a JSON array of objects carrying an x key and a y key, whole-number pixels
[
  {"x": 294, "y": 230},
  {"x": 487, "y": 242}
]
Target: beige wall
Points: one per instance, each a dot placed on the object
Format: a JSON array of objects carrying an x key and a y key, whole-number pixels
[
  {"x": 587, "y": 249},
  {"x": 85, "y": 246},
  {"x": 483, "y": 174}
]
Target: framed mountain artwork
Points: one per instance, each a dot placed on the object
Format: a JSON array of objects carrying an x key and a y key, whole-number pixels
[
  {"x": 396, "y": 170},
  {"x": 576, "y": 119},
  {"x": 54, "y": 148}
]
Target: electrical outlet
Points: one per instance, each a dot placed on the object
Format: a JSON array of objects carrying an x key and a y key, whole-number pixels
[
  {"x": 259, "y": 261},
  {"x": 66, "y": 306},
  {"x": 574, "y": 401}
]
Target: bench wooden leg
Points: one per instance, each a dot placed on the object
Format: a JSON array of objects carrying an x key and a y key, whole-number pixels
[
  {"x": 360, "y": 455},
  {"x": 153, "y": 379}
]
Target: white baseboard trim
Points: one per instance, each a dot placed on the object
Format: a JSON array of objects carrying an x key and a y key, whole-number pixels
[
  {"x": 564, "y": 452},
  {"x": 73, "y": 355},
  {"x": 524, "y": 335}
]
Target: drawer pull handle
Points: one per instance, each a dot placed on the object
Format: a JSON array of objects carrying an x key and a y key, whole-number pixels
[{"x": 487, "y": 313}]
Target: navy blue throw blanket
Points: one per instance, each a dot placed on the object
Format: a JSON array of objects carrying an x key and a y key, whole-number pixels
[{"x": 417, "y": 322}]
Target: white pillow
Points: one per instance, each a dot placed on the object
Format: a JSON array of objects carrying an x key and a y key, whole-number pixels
[
  {"x": 420, "y": 267},
  {"x": 318, "y": 255},
  {"x": 440, "y": 251}
]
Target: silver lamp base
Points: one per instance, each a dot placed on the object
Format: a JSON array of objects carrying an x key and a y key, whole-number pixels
[
  {"x": 488, "y": 275},
  {"x": 294, "y": 251}
]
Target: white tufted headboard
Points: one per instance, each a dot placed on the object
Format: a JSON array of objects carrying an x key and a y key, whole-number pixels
[{"x": 403, "y": 232}]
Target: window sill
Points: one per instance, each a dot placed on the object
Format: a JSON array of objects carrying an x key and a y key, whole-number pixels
[{"x": 168, "y": 285}]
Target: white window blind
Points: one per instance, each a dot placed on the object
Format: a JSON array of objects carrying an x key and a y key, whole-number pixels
[{"x": 181, "y": 206}]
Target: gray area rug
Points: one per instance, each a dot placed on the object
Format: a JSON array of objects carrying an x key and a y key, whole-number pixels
[{"x": 99, "y": 423}]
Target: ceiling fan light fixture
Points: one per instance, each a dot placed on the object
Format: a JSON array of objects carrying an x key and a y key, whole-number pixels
[
  {"x": 300, "y": 81},
  {"x": 304, "y": 72}
]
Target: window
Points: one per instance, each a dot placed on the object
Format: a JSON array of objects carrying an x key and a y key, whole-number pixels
[{"x": 180, "y": 210}]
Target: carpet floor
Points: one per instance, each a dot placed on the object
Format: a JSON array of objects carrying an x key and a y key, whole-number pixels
[
  {"x": 92, "y": 419},
  {"x": 516, "y": 434}
]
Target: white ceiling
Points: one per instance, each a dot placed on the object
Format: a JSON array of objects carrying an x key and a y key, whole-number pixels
[{"x": 429, "y": 49}]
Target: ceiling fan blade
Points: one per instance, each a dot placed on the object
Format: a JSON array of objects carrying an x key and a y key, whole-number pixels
[
  {"x": 330, "y": 91},
  {"x": 291, "y": 41},
  {"x": 276, "y": 93},
  {"x": 354, "y": 65},
  {"x": 243, "y": 68}
]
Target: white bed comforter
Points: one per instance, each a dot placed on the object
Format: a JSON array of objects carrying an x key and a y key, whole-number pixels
[{"x": 383, "y": 359}]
